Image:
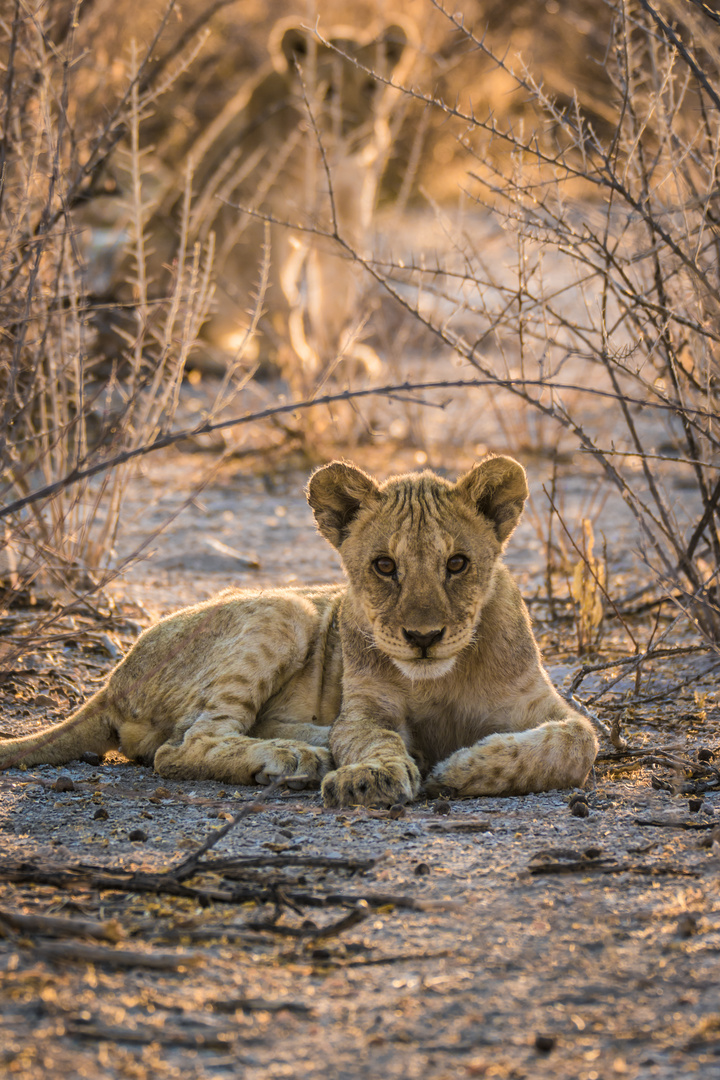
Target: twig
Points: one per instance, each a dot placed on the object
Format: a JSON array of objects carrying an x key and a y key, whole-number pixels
[
  {"x": 123, "y": 958},
  {"x": 586, "y": 866},
  {"x": 78, "y": 474},
  {"x": 675, "y": 823},
  {"x": 56, "y": 926},
  {"x": 632, "y": 662},
  {"x": 230, "y": 1004},
  {"x": 359, "y": 913},
  {"x": 188, "y": 867},
  {"x": 145, "y": 1035}
]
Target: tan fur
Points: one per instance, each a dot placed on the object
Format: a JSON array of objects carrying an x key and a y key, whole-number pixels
[
  {"x": 244, "y": 687},
  {"x": 263, "y": 152},
  {"x": 478, "y": 711}
]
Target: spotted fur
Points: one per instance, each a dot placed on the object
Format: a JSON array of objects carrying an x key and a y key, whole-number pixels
[{"x": 424, "y": 663}]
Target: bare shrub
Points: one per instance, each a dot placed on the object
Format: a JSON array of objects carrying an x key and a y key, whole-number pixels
[
  {"x": 607, "y": 323},
  {"x": 65, "y": 406}
]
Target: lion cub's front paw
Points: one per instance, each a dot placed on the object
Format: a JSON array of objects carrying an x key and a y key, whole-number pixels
[{"x": 373, "y": 782}]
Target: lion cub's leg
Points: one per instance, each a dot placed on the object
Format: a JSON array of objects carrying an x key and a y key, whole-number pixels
[
  {"x": 556, "y": 754},
  {"x": 216, "y": 748},
  {"x": 219, "y": 736},
  {"x": 272, "y": 728}
]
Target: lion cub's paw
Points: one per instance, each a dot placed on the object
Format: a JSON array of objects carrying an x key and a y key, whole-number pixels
[
  {"x": 372, "y": 782},
  {"x": 244, "y": 761},
  {"x": 277, "y": 758}
]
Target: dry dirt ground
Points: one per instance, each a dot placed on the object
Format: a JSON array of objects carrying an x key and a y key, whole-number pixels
[{"x": 522, "y": 937}]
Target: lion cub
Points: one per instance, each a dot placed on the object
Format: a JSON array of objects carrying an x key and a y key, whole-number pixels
[{"x": 424, "y": 663}]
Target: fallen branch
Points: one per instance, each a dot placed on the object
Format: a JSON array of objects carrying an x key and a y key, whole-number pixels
[
  {"x": 597, "y": 866},
  {"x": 123, "y": 958},
  {"x": 208, "y": 1040},
  {"x": 56, "y": 926},
  {"x": 359, "y": 913},
  {"x": 228, "y": 1005},
  {"x": 674, "y": 823}
]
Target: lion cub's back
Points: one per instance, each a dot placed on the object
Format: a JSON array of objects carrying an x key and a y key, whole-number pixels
[{"x": 187, "y": 652}]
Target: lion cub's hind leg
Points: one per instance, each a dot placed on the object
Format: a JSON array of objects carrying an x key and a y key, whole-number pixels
[
  {"x": 215, "y": 748},
  {"x": 217, "y": 737},
  {"x": 556, "y": 755}
]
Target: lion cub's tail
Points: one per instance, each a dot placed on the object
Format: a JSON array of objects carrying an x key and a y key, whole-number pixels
[{"x": 92, "y": 728}]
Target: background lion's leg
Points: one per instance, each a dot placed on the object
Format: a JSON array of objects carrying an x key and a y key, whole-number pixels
[{"x": 556, "y": 754}]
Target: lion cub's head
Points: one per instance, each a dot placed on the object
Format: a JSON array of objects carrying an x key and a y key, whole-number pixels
[{"x": 420, "y": 552}]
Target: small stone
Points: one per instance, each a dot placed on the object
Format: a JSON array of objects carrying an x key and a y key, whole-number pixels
[
  {"x": 695, "y": 805},
  {"x": 686, "y": 925},
  {"x": 704, "y": 754},
  {"x": 578, "y": 797},
  {"x": 44, "y": 700},
  {"x": 544, "y": 1043},
  {"x": 63, "y": 783},
  {"x": 442, "y": 806},
  {"x": 592, "y": 853},
  {"x": 713, "y": 837},
  {"x": 101, "y": 814},
  {"x": 90, "y": 758},
  {"x": 138, "y": 835},
  {"x": 421, "y": 869},
  {"x": 396, "y": 811},
  {"x": 580, "y": 809}
]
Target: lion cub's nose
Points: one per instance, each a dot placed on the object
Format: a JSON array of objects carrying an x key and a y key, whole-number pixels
[{"x": 423, "y": 641}]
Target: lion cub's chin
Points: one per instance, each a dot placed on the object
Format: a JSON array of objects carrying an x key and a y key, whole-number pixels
[{"x": 424, "y": 669}]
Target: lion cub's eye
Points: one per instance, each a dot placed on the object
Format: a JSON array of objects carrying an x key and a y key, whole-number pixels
[
  {"x": 385, "y": 566},
  {"x": 456, "y": 564}
]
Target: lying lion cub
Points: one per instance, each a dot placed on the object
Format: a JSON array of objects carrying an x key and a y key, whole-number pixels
[{"x": 425, "y": 662}]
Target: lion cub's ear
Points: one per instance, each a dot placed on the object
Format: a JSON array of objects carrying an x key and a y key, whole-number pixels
[
  {"x": 336, "y": 493},
  {"x": 498, "y": 488}
]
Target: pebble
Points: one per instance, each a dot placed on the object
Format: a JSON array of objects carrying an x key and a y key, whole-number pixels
[
  {"x": 442, "y": 806},
  {"x": 686, "y": 925},
  {"x": 64, "y": 783},
  {"x": 580, "y": 809},
  {"x": 544, "y": 1043},
  {"x": 396, "y": 811},
  {"x": 138, "y": 835},
  {"x": 90, "y": 758},
  {"x": 101, "y": 814},
  {"x": 421, "y": 869}
]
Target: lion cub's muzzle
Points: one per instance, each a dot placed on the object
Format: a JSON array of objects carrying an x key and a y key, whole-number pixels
[{"x": 424, "y": 640}]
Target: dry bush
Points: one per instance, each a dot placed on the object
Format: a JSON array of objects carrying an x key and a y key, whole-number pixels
[
  {"x": 65, "y": 408},
  {"x": 606, "y": 324}
]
